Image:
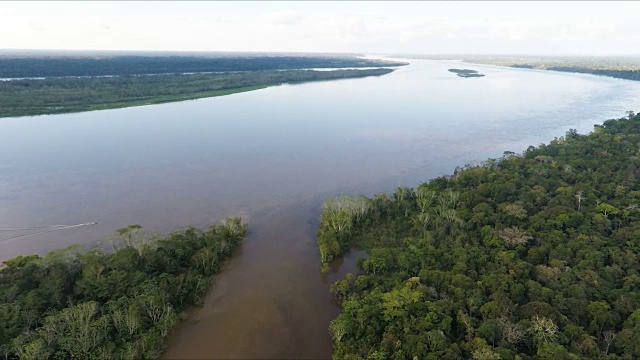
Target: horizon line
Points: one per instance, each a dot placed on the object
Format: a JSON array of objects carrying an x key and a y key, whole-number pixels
[{"x": 397, "y": 54}]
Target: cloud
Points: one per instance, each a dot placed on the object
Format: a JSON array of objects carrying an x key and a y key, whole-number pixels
[
  {"x": 379, "y": 27},
  {"x": 286, "y": 18},
  {"x": 36, "y": 27}
]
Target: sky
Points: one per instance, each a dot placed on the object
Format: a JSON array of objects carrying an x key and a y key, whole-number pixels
[{"x": 430, "y": 27}]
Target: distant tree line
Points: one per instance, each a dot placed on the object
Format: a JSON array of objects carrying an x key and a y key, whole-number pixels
[
  {"x": 616, "y": 73},
  {"x": 620, "y": 74},
  {"x": 137, "y": 65}
]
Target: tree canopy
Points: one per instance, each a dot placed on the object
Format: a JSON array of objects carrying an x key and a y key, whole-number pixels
[
  {"x": 117, "y": 305},
  {"x": 531, "y": 256}
]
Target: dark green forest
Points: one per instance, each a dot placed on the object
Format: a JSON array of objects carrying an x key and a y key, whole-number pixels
[
  {"x": 64, "y": 95},
  {"x": 529, "y": 256},
  {"x": 20, "y": 67},
  {"x": 109, "y": 305}
]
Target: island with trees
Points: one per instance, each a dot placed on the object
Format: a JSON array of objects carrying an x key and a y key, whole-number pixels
[
  {"x": 64, "y": 95},
  {"x": 109, "y": 305},
  {"x": 466, "y": 73},
  {"x": 33, "y": 85},
  {"x": 529, "y": 256}
]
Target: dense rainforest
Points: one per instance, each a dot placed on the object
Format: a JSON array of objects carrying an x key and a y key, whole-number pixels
[
  {"x": 64, "y": 95},
  {"x": 109, "y": 305},
  {"x": 58, "y": 66},
  {"x": 529, "y": 256}
]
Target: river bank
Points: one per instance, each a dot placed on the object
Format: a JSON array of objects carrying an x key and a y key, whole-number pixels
[{"x": 67, "y": 95}]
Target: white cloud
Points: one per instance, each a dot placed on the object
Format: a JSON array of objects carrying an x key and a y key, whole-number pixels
[
  {"x": 286, "y": 18},
  {"x": 398, "y": 27}
]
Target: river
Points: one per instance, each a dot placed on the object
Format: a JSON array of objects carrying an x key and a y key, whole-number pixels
[{"x": 275, "y": 154}]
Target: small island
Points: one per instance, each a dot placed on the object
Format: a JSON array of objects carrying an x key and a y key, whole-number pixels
[{"x": 466, "y": 73}]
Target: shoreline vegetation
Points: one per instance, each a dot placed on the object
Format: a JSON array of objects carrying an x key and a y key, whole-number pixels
[
  {"x": 614, "y": 71},
  {"x": 30, "y": 97},
  {"x": 110, "y": 305},
  {"x": 619, "y": 67},
  {"x": 619, "y": 74},
  {"x": 529, "y": 256}
]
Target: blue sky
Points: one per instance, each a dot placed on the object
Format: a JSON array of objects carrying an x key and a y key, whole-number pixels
[{"x": 544, "y": 27}]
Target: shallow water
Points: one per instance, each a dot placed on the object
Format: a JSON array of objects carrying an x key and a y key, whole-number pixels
[{"x": 275, "y": 154}]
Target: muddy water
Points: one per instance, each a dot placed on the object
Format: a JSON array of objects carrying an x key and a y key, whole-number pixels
[
  {"x": 271, "y": 311},
  {"x": 275, "y": 154}
]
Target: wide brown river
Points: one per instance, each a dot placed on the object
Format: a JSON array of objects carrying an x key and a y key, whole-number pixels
[{"x": 275, "y": 154}]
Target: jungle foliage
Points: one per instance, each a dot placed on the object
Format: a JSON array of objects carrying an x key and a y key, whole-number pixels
[
  {"x": 117, "y": 305},
  {"x": 531, "y": 256}
]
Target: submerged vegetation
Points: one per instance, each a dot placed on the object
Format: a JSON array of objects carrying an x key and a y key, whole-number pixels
[
  {"x": 64, "y": 95},
  {"x": 531, "y": 256},
  {"x": 119, "y": 305}
]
